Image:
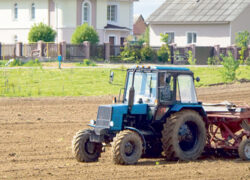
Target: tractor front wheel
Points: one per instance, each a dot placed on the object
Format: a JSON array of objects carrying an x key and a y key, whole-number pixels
[
  {"x": 244, "y": 149},
  {"x": 126, "y": 148},
  {"x": 83, "y": 149},
  {"x": 184, "y": 136}
]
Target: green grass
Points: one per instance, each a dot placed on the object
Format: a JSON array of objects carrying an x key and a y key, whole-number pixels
[
  {"x": 212, "y": 75},
  {"x": 54, "y": 82},
  {"x": 39, "y": 82},
  {"x": 2, "y": 63}
]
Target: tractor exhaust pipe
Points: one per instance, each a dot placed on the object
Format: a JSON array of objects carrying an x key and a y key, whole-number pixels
[
  {"x": 131, "y": 93},
  {"x": 131, "y": 98}
]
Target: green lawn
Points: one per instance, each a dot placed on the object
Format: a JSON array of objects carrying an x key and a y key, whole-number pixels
[
  {"x": 212, "y": 75},
  {"x": 82, "y": 82}
]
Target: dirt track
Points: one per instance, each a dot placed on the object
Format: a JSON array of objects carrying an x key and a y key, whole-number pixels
[{"x": 36, "y": 134}]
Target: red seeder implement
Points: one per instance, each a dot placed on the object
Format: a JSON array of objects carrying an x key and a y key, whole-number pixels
[{"x": 228, "y": 128}]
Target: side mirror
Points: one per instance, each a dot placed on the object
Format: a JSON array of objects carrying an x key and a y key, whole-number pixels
[
  {"x": 111, "y": 77},
  {"x": 198, "y": 79}
]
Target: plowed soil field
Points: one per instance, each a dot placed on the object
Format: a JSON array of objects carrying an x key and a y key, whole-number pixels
[{"x": 36, "y": 134}]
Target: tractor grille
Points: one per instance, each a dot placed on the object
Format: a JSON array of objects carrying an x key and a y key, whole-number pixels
[{"x": 104, "y": 116}]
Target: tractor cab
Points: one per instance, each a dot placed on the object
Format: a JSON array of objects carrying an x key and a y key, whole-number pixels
[
  {"x": 163, "y": 85},
  {"x": 159, "y": 87}
]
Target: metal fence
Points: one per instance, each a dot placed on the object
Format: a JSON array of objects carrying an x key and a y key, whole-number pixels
[
  {"x": 51, "y": 50},
  {"x": 97, "y": 52},
  {"x": 30, "y": 50},
  {"x": 75, "y": 51},
  {"x": 179, "y": 55},
  {"x": 116, "y": 50},
  {"x": 8, "y": 51}
]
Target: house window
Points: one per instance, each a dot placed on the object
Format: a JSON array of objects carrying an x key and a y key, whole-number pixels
[
  {"x": 112, "y": 13},
  {"x": 33, "y": 11},
  {"x": 86, "y": 11},
  {"x": 112, "y": 40},
  {"x": 170, "y": 37},
  {"x": 122, "y": 40},
  {"x": 191, "y": 37},
  {"x": 15, "y": 11}
]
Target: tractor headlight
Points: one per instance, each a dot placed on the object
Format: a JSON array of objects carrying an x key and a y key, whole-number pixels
[
  {"x": 111, "y": 124},
  {"x": 92, "y": 122}
]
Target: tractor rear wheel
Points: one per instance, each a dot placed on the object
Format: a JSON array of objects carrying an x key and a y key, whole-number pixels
[
  {"x": 184, "y": 136},
  {"x": 83, "y": 149},
  {"x": 126, "y": 148},
  {"x": 244, "y": 149}
]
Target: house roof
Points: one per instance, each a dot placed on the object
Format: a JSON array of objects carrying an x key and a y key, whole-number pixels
[
  {"x": 137, "y": 17},
  {"x": 198, "y": 11}
]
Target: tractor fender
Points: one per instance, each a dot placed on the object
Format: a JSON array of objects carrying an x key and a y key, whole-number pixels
[
  {"x": 196, "y": 107},
  {"x": 137, "y": 131}
]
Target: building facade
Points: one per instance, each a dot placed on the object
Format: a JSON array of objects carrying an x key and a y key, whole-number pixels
[
  {"x": 139, "y": 26},
  {"x": 112, "y": 19},
  {"x": 199, "y": 22}
]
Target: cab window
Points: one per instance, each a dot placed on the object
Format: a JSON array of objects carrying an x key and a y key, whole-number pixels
[
  {"x": 186, "y": 89},
  {"x": 166, "y": 87}
]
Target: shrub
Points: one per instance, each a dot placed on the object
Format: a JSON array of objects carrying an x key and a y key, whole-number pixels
[
  {"x": 131, "y": 54},
  {"x": 31, "y": 63},
  {"x": 242, "y": 40},
  {"x": 15, "y": 62},
  {"x": 215, "y": 60},
  {"x": 164, "y": 38},
  {"x": 163, "y": 54},
  {"x": 191, "y": 59},
  {"x": 230, "y": 65},
  {"x": 85, "y": 33},
  {"x": 41, "y": 32},
  {"x": 144, "y": 38},
  {"x": 87, "y": 62},
  {"x": 147, "y": 54}
]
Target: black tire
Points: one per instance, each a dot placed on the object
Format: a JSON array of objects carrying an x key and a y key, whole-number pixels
[
  {"x": 126, "y": 148},
  {"x": 188, "y": 146},
  {"x": 244, "y": 149},
  {"x": 83, "y": 149}
]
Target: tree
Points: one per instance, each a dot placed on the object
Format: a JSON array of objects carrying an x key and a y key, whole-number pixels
[
  {"x": 144, "y": 38},
  {"x": 230, "y": 66},
  {"x": 164, "y": 53},
  {"x": 41, "y": 32},
  {"x": 242, "y": 40},
  {"x": 85, "y": 33},
  {"x": 164, "y": 38}
]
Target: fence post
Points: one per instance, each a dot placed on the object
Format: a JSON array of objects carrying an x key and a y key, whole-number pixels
[
  {"x": 19, "y": 47},
  {"x": 86, "y": 45},
  {"x": 217, "y": 51},
  {"x": 172, "y": 52},
  {"x": 193, "y": 50},
  {"x": 235, "y": 51},
  {"x": 40, "y": 48},
  {"x": 107, "y": 51},
  {"x": 63, "y": 49}
]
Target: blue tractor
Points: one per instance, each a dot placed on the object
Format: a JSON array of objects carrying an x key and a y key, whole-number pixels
[{"x": 159, "y": 115}]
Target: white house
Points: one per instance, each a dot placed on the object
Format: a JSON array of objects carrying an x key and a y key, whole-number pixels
[
  {"x": 113, "y": 19},
  {"x": 200, "y": 22}
]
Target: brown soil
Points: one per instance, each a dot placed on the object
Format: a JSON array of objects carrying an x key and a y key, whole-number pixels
[{"x": 36, "y": 134}]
